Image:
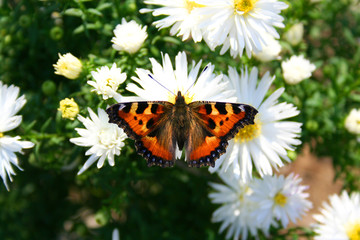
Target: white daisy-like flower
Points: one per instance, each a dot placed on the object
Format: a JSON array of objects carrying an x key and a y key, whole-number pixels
[
  {"x": 236, "y": 208},
  {"x": 265, "y": 142},
  {"x": 182, "y": 18},
  {"x": 279, "y": 198},
  {"x": 296, "y": 69},
  {"x": 104, "y": 139},
  {"x": 164, "y": 82},
  {"x": 239, "y": 24},
  {"x": 107, "y": 81},
  {"x": 10, "y": 104},
  {"x": 340, "y": 219},
  {"x": 352, "y": 121},
  {"x": 129, "y": 36},
  {"x": 269, "y": 52},
  {"x": 68, "y": 66},
  {"x": 295, "y": 34}
]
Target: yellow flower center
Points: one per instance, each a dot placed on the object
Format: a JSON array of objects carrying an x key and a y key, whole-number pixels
[
  {"x": 110, "y": 82},
  {"x": 1, "y": 134},
  {"x": 244, "y": 5},
  {"x": 188, "y": 98},
  {"x": 190, "y": 5},
  {"x": 249, "y": 132},
  {"x": 280, "y": 199},
  {"x": 68, "y": 108},
  {"x": 353, "y": 231}
]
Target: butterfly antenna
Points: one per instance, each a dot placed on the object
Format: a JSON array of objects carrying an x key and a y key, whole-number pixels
[
  {"x": 160, "y": 84},
  {"x": 206, "y": 67}
]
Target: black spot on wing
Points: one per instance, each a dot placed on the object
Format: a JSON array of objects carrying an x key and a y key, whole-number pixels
[
  {"x": 154, "y": 108},
  {"x": 221, "y": 107},
  {"x": 140, "y": 122},
  {"x": 141, "y": 107},
  {"x": 212, "y": 124},
  {"x": 150, "y": 123},
  {"x": 236, "y": 108},
  {"x": 221, "y": 123},
  {"x": 125, "y": 109},
  {"x": 208, "y": 108}
]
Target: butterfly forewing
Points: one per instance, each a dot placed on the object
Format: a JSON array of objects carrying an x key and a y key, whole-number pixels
[{"x": 224, "y": 119}]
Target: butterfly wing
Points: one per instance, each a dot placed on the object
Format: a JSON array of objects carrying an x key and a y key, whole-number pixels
[
  {"x": 147, "y": 123},
  {"x": 212, "y": 125}
]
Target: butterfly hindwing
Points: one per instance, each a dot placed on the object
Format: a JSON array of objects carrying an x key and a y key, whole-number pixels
[
  {"x": 147, "y": 123},
  {"x": 202, "y": 147},
  {"x": 213, "y": 125}
]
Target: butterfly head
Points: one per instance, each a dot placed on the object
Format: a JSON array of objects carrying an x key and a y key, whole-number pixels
[{"x": 181, "y": 98}]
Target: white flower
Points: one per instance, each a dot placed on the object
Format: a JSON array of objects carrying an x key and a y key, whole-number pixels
[
  {"x": 296, "y": 69},
  {"x": 236, "y": 208},
  {"x": 269, "y": 52},
  {"x": 352, "y": 121},
  {"x": 68, "y": 66},
  {"x": 340, "y": 219},
  {"x": 182, "y": 18},
  {"x": 295, "y": 34},
  {"x": 10, "y": 104},
  {"x": 115, "y": 234},
  {"x": 164, "y": 82},
  {"x": 279, "y": 198},
  {"x": 129, "y": 36},
  {"x": 104, "y": 138},
  {"x": 265, "y": 142},
  {"x": 107, "y": 81},
  {"x": 239, "y": 24}
]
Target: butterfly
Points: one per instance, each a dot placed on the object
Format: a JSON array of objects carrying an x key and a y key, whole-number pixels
[{"x": 161, "y": 128}]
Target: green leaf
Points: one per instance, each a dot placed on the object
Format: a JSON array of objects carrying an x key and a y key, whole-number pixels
[
  {"x": 103, "y": 6},
  {"x": 46, "y": 124},
  {"x": 95, "y": 12},
  {"x": 75, "y": 12},
  {"x": 79, "y": 29}
]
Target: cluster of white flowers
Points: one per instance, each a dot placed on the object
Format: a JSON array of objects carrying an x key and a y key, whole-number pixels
[
  {"x": 340, "y": 219},
  {"x": 258, "y": 205},
  {"x": 232, "y": 24},
  {"x": 10, "y": 105}
]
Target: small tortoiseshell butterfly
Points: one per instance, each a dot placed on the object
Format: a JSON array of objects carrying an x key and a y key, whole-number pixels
[{"x": 202, "y": 127}]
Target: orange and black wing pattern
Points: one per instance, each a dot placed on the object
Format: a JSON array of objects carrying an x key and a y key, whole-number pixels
[
  {"x": 213, "y": 124},
  {"x": 147, "y": 123}
]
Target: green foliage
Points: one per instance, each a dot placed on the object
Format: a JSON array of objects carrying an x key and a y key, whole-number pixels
[{"x": 48, "y": 200}]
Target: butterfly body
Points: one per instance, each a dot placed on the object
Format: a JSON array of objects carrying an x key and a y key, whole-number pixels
[{"x": 202, "y": 128}]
